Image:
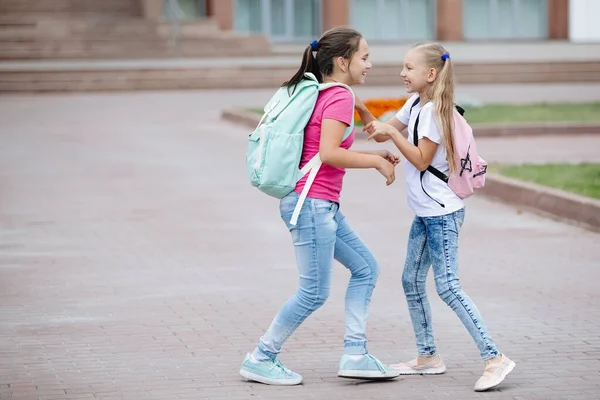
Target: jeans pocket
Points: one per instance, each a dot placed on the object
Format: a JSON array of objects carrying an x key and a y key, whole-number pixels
[{"x": 323, "y": 206}]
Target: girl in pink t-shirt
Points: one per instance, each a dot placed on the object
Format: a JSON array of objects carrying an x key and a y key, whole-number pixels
[{"x": 322, "y": 233}]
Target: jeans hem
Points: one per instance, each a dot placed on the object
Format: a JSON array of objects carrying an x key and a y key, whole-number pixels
[
  {"x": 268, "y": 354},
  {"x": 427, "y": 353},
  {"x": 355, "y": 348},
  {"x": 490, "y": 355}
]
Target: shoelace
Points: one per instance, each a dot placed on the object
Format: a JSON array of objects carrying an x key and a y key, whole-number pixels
[
  {"x": 279, "y": 365},
  {"x": 379, "y": 364}
]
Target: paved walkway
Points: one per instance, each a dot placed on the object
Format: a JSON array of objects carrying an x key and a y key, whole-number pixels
[{"x": 136, "y": 262}]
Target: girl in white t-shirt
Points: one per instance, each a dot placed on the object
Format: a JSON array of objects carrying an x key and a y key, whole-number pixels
[{"x": 433, "y": 238}]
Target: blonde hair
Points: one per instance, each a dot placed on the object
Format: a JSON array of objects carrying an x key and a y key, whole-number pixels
[{"x": 441, "y": 93}]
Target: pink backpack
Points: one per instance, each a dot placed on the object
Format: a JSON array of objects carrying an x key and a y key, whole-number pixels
[{"x": 471, "y": 169}]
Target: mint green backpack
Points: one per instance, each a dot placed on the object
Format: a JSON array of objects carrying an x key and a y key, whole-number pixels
[{"x": 275, "y": 146}]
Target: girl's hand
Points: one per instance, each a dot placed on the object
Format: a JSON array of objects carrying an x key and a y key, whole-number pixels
[
  {"x": 387, "y": 170},
  {"x": 390, "y": 157},
  {"x": 377, "y": 129}
]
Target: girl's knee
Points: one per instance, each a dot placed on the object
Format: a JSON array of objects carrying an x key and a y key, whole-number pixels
[
  {"x": 312, "y": 301},
  {"x": 407, "y": 281},
  {"x": 447, "y": 291},
  {"x": 319, "y": 301},
  {"x": 369, "y": 269},
  {"x": 374, "y": 266}
]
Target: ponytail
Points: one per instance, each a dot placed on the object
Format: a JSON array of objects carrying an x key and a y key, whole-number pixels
[
  {"x": 309, "y": 64},
  {"x": 443, "y": 100},
  {"x": 442, "y": 95}
]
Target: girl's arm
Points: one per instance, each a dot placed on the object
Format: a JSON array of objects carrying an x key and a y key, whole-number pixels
[
  {"x": 363, "y": 111},
  {"x": 420, "y": 156},
  {"x": 367, "y": 117},
  {"x": 391, "y": 157},
  {"x": 332, "y": 133}
]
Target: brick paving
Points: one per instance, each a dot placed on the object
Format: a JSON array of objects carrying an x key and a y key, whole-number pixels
[{"x": 137, "y": 263}]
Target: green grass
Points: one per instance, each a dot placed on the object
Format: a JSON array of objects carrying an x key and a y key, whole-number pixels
[
  {"x": 496, "y": 113},
  {"x": 583, "y": 179}
]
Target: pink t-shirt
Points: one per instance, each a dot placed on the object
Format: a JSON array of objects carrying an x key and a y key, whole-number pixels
[{"x": 334, "y": 103}]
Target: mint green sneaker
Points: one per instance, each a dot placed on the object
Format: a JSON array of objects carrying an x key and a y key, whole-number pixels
[
  {"x": 365, "y": 367},
  {"x": 268, "y": 372}
]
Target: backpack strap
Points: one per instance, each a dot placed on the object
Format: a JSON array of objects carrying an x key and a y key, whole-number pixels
[
  {"x": 430, "y": 168},
  {"x": 324, "y": 86},
  {"x": 439, "y": 174},
  {"x": 314, "y": 165}
]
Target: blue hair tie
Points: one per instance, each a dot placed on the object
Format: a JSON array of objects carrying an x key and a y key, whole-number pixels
[
  {"x": 445, "y": 56},
  {"x": 314, "y": 45}
]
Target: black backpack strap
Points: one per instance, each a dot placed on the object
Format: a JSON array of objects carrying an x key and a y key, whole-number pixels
[
  {"x": 431, "y": 169},
  {"x": 415, "y": 103},
  {"x": 416, "y": 128},
  {"x": 438, "y": 173}
]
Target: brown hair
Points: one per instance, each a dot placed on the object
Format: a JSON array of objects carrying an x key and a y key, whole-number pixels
[
  {"x": 336, "y": 42},
  {"x": 442, "y": 93}
]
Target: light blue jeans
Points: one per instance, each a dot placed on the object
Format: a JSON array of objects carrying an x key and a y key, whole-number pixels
[
  {"x": 321, "y": 235},
  {"x": 434, "y": 241}
]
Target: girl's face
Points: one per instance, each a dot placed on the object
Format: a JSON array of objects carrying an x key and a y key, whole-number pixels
[
  {"x": 417, "y": 75},
  {"x": 359, "y": 65}
]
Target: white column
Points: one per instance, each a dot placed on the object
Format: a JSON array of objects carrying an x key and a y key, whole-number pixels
[{"x": 583, "y": 21}]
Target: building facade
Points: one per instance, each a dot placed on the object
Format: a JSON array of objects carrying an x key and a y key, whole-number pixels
[
  {"x": 396, "y": 20},
  {"x": 584, "y": 26}
]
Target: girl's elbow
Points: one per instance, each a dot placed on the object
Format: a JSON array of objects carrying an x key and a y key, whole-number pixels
[
  {"x": 421, "y": 166},
  {"x": 325, "y": 156}
]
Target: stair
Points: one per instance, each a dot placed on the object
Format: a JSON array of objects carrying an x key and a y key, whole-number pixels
[
  {"x": 264, "y": 72},
  {"x": 71, "y": 7},
  {"x": 102, "y": 37}
]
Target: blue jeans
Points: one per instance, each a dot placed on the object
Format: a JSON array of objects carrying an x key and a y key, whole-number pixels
[
  {"x": 434, "y": 241},
  {"x": 321, "y": 235}
]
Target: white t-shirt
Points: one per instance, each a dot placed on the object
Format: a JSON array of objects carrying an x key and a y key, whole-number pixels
[{"x": 418, "y": 201}]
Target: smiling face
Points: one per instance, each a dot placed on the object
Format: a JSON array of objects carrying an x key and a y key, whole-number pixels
[
  {"x": 359, "y": 65},
  {"x": 418, "y": 76}
]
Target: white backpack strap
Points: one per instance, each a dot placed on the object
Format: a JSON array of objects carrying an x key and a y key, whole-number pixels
[
  {"x": 313, "y": 166},
  {"x": 315, "y": 163},
  {"x": 268, "y": 111}
]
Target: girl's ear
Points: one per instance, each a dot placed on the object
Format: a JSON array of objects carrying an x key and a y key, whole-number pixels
[
  {"x": 342, "y": 64},
  {"x": 432, "y": 75}
]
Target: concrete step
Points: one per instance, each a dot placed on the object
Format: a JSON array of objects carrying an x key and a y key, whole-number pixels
[
  {"x": 102, "y": 29},
  {"x": 114, "y": 7},
  {"x": 131, "y": 49},
  {"x": 249, "y": 73},
  {"x": 118, "y": 37}
]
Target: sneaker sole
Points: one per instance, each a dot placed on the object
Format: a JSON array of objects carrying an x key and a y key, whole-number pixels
[
  {"x": 428, "y": 371},
  {"x": 249, "y": 376},
  {"x": 507, "y": 371},
  {"x": 370, "y": 375}
]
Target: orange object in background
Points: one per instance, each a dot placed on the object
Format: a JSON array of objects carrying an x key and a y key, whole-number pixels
[{"x": 378, "y": 107}]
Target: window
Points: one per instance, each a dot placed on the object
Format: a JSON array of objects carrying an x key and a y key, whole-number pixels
[
  {"x": 185, "y": 9},
  {"x": 247, "y": 16},
  {"x": 505, "y": 19},
  {"x": 395, "y": 19},
  {"x": 282, "y": 20}
]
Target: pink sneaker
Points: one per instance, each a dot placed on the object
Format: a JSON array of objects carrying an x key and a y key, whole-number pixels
[
  {"x": 434, "y": 367},
  {"x": 491, "y": 379}
]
